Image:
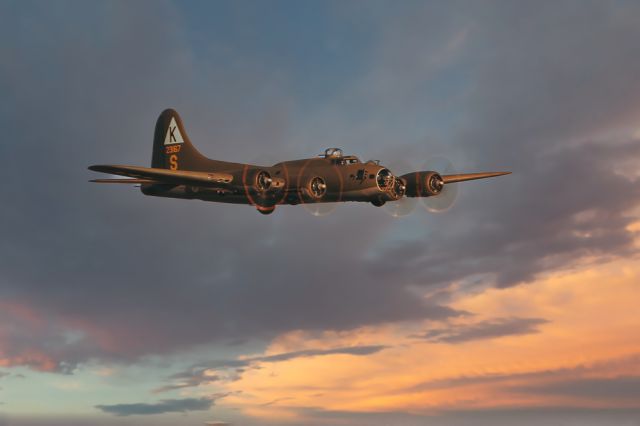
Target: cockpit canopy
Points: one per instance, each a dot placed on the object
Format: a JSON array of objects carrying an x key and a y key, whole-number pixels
[
  {"x": 333, "y": 153},
  {"x": 338, "y": 157}
]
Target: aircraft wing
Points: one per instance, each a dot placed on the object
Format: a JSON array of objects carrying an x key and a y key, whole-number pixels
[
  {"x": 127, "y": 180},
  {"x": 140, "y": 175},
  {"x": 471, "y": 176}
]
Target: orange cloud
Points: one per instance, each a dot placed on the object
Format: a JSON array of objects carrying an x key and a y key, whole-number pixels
[
  {"x": 11, "y": 314},
  {"x": 549, "y": 343}
]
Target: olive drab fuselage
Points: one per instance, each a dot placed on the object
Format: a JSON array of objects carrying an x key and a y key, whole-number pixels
[{"x": 329, "y": 178}]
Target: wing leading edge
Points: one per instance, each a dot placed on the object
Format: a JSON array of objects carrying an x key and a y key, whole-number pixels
[
  {"x": 471, "y": 176},
  {"x": 161, "y": 176}
]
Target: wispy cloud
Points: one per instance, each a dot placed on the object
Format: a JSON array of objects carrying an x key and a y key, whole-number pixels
[
  {"x": 489, "y": 329},
  {"x": 603, "y": 388},
  {"x": 164, "y": 406},
  {"x": 201, "y": 373},
  {"x": 542, "y": 378},
  {"x": 351, "y": 350}
]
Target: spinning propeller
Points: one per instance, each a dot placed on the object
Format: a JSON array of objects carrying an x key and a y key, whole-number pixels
[
  {"x": 441, "y": 194},
  {"x": 405, "y": 205},
  {"x": 448, "y": 191},
  {"x": 436, "y": 185}
]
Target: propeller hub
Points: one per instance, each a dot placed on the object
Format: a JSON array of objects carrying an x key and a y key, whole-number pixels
[
  {"x": 317, "y": 187},
  {"x": 435, "y": 183},
  {"x": 263, "y": 181}
]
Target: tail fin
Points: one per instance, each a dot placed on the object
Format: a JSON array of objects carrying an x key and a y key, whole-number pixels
[{"x": 172, "y": 148}]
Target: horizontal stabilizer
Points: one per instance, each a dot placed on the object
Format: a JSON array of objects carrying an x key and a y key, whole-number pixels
[
  {"x": 134, "y": 181},
  {"x": 163, "y": 176},
  {"x": 471, "y": 176}
]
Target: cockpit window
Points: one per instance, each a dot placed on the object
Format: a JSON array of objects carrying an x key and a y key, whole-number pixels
[{"x": 347, "y": 160}]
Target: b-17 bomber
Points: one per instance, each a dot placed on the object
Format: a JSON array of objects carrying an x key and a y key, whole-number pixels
[{"x": 179, "y": 170}]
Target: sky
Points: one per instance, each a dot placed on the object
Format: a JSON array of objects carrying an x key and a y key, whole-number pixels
[{"x": 517, "y": 305}]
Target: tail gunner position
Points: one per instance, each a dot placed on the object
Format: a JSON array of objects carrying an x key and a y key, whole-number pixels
[{"x": 179, "y": 170}]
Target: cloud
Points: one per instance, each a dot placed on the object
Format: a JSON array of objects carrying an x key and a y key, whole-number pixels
[
  {"x": 107, "y": 275},
  {"x": 507, "y": 250},
  {"x": 28, "y": 337},
  {"x": 118, "y": 276},
  {"x": 164, "y": 406},
  {"x": 598, "y": 388},
  {"x": 507, "y": 115},
  {"x": 526, "y": 416},
  {"x": 488, "y": 329},
  {"x": 585, "y": 332},
  {"x": 277, "y": 401},
  {"x": 200, "y": 374},
  {"x": 551, "y": 377},
  {"x": 87, "y": 284},
  {"x": 189, "y": 378},
  {"x": 352, "y": 350}
]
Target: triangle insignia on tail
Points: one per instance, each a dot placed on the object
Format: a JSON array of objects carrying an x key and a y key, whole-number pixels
[{"x": 173, "y": 135}]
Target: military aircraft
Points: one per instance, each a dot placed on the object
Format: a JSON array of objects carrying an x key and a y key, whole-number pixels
[{"x": 179, "y": 170}]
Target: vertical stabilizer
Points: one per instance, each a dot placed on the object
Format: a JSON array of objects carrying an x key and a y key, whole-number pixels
[{"x": 172, "y": 148}]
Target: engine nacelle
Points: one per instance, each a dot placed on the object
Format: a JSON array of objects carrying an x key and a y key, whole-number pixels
[
  {"x": 261, "y": 181},
  {"x": 423, "y": 184},
  {"x": 262, "y": 188}
]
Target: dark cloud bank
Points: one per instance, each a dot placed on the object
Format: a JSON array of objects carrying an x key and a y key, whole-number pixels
[{"x": 546, "y": 92}]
